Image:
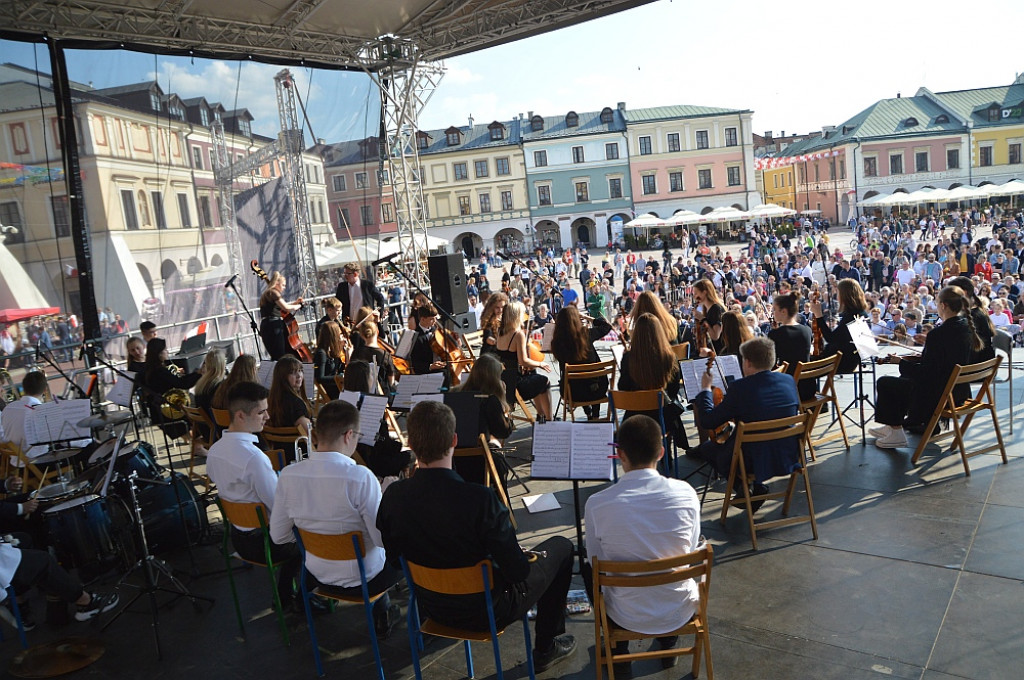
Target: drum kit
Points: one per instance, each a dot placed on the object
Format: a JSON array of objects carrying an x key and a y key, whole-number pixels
[{"x": 93, "y": 519}]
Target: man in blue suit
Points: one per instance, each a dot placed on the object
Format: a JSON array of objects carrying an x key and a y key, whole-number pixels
[{"x": 761, "y": 394}]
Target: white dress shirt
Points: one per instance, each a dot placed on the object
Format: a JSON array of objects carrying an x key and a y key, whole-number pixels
[
  {"x": 328, "y": 493},
  {"x": 241, "y": 471},
  {"x": 645, "y": 516},
  {"x": 12, "y": 427},
  {"x": 10, "y": 558},
  {"x": 355, "y": 298}
]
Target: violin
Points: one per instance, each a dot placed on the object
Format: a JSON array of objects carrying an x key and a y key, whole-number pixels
[
  {"x": 292, "y": 326},
  {"x": 818, "y": 342},
  {"x": 721, "y": 433}
]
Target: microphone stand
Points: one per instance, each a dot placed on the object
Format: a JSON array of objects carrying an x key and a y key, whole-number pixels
[
  {"x": 252, "y": 319},
  {"x": 45, "y": 356}
]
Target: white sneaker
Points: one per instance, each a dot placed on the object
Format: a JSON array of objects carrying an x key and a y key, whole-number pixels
[
  {"x": 895, "y": 439},
  {"x": 880, "y": 431}
]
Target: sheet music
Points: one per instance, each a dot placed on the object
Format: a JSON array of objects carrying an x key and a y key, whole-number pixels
[
  {"x": 121, "y": 392},
  {"x": 690, "y": 377},
  {"x": 863, "y": 338},
  {"x": 350, "y": 397},
  {"x": 416, "y": 384},
  {"x": 432, "y": 396},
  {"x": 404, "y": 348},
  {"x": 552, "y": 450},
  {"x": 309, "y": 380},
  {"x": 617, "y": 351},
  {"x": 57, "y": 421},
  {"x": 265, "y": 373},
  {"x": 591, "y": 448},
  {"x": 371, "y": 413}
]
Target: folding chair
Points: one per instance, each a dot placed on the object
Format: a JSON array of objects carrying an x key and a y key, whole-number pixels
[
  {"x": 764, "y": 431},
  {"x": 817, "y": 370},
  {"x": 521, "y": 404},
  {"x": 337, "y": 547},
  {"x": 320, "y": 398},
  {"x": 199, "y": 420},
  {"x": 682, "y": 351},
  {"x": 669, "y": 570},
  {"x": 221, "y": 417},
  {"x": 32, "y": 476},
  {"x": 286, "y": 436},
  {"x": 248, "y": 516},
  {"x": 1003, "y": 342},
  {"x": 276, "y": 457},
  {"x": 13, "y": 617},
  {"x": 472, "y": 580},
  {"x": 649, "y": 401},
  {"x": 983, "y": 373},
  {"x": 586, "y": 372}
]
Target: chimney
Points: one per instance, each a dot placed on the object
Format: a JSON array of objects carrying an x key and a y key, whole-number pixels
[
  {"x": 471, "y": 121},
  {"x": 826, "y": 130},
  {"x": 782, "y": 133},
  {"x": 622, "y": 106},
  {"x": 321, "y": 141},
  {"x": 767, "y": 134},
  {"x": 529, "y": 115},
  {"x": 898, "y": 95}
]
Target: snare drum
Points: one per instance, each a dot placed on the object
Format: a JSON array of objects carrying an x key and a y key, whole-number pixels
[
  {"x": 83, "y": 532},
  {"x": 58, "y": 492}
]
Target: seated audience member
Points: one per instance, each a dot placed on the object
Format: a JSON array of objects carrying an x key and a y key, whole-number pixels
[
  {"x": 329, "y": 493},
  {"x": 644, "y": 516},
  {"x": 466, "y": 523},
  {"x": 243, "y": 474}
]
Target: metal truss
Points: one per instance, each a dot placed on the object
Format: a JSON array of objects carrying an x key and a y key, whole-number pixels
[
  {"x": 406, "y": 85},
  {"x": 440, "y": 29},
  {"x": 223, "y": 177}
]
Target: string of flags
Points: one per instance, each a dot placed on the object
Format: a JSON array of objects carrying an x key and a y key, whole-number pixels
[{"x": 768, "y": 163}]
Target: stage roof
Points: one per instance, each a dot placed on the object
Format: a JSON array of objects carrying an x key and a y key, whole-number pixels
[{"x": 320, "y": 32}]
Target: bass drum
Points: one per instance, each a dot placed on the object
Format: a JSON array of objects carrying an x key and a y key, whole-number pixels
[
  {"x": 86, "y": 532},
  {"x": 138, "y": 457},
  {"x": 168, "y": 529}
]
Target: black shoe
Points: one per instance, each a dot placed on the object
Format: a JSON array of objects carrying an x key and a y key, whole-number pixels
[
  {"x": 385, "y": 624},
  {"x": 561, "y": 648},
  {"x": 98, "y": 604},
  {"x": 318, "y": 606},
  {"x": 758, "y": 489}
]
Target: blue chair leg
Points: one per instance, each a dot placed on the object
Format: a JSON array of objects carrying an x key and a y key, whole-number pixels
[
  {"x": 469, "y": 660},
  {"x": 529, "y": 647},
  {"x": 373, "y": 637},
  {"x": 415, "y": 638},
  {"x": 17, "y": 617},
  {"x": 309, "y": 622}
]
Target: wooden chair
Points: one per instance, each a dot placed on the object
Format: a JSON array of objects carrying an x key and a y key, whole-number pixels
[
  {"x": 983, "y": 373},
  {"x": 337, "y": 548},
  {"x": 222, "y": 417},
  {"x": 339, "y": 380},
  {"x": 822, "y": 369},
  {"x": 458, "y": 581},
  {"x": 250, "y": 516},
  {"x": 276, "y": 457},
  {"x": 199, "y": 420},
  {"x": 764, "y": 431},
  {"x": 32, "y": 476},
  {"x": 586, "y": 372},
  {"x": 490, "y": 470},
  {"x": 669, "y": 570},
  {"x": 287, "y": 436},
  {"x": 1003, "y": 342},
  {"x": 520, "y": 403},
  {"x": 682, "y": 351},
  {"x": 643, "y": 400},
  {"x": 320, "y": 398}
]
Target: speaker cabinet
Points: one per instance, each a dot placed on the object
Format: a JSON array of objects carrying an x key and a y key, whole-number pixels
[{"x": 448, "y": 282}]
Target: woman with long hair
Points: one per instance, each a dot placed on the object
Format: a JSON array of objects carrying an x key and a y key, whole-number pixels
[
  {"x": 330, "y": 356},
  {"x": 792, "y": 339},
  {"x": 214, "y": 371},
  {"x": 490, "y": 321},
  {"x": 272, "y": 307},
  {"x": 982, "y": 322},
  {"x": 159, "y": 379},
  {"x": 708, "y": 312},
  {"x": 520, "y": 372},
  {"x": 852, "y": 306},
  {"x": 649, "y": 303},
  {"x": 735, "y": 332},
  {"x": 483, "y": 390},
  {"x": 908, "y": 401},
  {"x": 370, "y": 350},
  {"x": 287, "y": 404},
  {"x": 243, "y": 370},
  {"x": 650, "y": 364},
  {"x": 573, "y": 343}
]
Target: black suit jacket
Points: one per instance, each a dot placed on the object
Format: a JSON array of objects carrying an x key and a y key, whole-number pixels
[
  {"x": 371, "y": 298},
  {"x": 947, "y": 344},
  {"x": 763, "y": 396}
]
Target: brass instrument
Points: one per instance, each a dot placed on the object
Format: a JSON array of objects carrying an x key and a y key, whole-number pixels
[
  {"x": 8, "y": 390},
  {"x": 175, "y": 401}
]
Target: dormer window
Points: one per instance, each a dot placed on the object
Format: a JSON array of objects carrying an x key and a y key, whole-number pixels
[
  {"x": 606, "y": 115},
  {"x": 453, "y": 136},
  {"x": 497, "y": 131},
  {"x": 571, "y": 119},
  {"x": 993, "y": 113},
  {"x": 216, "y": 116},
  {"x": 204, "y": 116},
  {"x": 176, "y": 112},
  {"x": 536, "y": 124},
  {"x": 910, "y": 122},
  {"x": 942, "y": 118},
  {"x": 847, "y": 129},
  {"x": 244, "y": 127},
  {"x": 421, "y": 142},
  {"x": 154, "y": 101}
]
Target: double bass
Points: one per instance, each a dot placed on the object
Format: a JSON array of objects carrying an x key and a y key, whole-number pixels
[{"x": 290, "y": 324}]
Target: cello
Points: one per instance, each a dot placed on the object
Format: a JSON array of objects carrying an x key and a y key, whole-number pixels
[{"x": 290, "y": 324}]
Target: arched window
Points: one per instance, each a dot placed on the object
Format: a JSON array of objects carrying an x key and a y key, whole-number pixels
[
  {"x": 910, "y": 122},
  {"x": 536, "y": 124},
  {"x": 942, "y": 118},
  {"x": 606, "y": 115},
  {"x": 571, "y": 119}
]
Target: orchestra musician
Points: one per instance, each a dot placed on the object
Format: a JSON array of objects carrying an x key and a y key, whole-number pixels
[
  {"x": 852, "y": 306},
  {"x": 418, "y": 300},
  {"x": 287, "y": 403},
  {"x": 214, "y": 371},
  {"x": 272, "y": 306},
  {"x": 422, "y": 358},
  {"x": 484, "y": 381},
  {"x": 572, "y": 343},
  {"x": 792, "y": 339},
  {"x": 330, "y": 355},
  {"x": 907, "y": 402},
  {"x": 650, "y": 364},
  {"x": 159, "y": 379},
  {"x": 735, "y": 331},
  {"x": 385, "y": 456},
  {"x": 354, "y": 293},
  {"x": 649, "y": 303},
  {"x": 490, "y": 321},
  {"x": 520, "y": 370},
  {"x": 243, "y": 370},
  {"x": 708, "y": 311},
  {"x": 370, "y": 350},
  {"x": 982, "y": 322}
]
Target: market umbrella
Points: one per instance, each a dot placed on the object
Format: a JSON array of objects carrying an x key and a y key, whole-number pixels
[
  {"x": 646, "y": 222},
  {"x": 770, "y": 210},
  {"x": 725, "y": 214},
  {"x": 683, "y": 217},
  {"x": 12, "y": 315},
  {"x": 965, "y": 192},
  {"x": 1014, "y": 186}
]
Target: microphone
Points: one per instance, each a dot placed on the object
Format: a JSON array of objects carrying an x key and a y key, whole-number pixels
[
  {"x": 39, "y": 352},
  {"x": 231, "y": 281},
  {"x": 382, "y": 260}
]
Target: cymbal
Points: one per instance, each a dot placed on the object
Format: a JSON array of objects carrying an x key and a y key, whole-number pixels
[
  {"x": 106, "y": 419},
  {"x": 58, "y": 456},
  {"x": 59, "y": 490},
  {"x": 56, "y": 658}
]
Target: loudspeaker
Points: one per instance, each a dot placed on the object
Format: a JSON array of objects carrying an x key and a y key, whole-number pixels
[
  {"x": 448, "y": 282},
  {"x": 465, "y": 323}
]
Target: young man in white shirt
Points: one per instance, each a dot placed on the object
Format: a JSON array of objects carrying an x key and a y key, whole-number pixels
[
  {"x": 243, "y": 474},
  {"x": 328, "y": 493},
  {"x": 12, "y": 421},
  {"x": 644, "y": 516}
]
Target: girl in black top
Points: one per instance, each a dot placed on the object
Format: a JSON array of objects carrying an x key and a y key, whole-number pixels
[
  {"x": 371, "y": 351},
  {"x": 792, "y": 339},
  {"x": 485, "y": 382},
  {"x": 272, "y": 328},
  {"x": 982, "y": 322},
  {"x": 287, "y": 403},
  {"x": 852, "y": 306},
  {"x": 572, "y": 343},
  {"x": 650, "y": 363},
  {"x": 159, "y": 379},
  {"x": 329, "y": 357},
  {"x": 709, "y": 318},
  {"x": 519, "y": 369},
  {"x": 490, "y": 320}
]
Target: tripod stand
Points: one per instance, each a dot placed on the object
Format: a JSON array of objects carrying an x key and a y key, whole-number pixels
[{"x": 151, "y": 568}]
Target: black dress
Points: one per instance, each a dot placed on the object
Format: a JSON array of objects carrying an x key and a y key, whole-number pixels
[
  {"x": 272, "y": 328},
  {"x": 838, "y": 339},
  {"x": 793, "y": 345},
  {"x": 529, "y": 385},
  {"x": 628, "y": 384},
  {"x": 588, "y": 389}
]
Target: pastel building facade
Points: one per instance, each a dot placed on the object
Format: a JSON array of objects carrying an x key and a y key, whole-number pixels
[{"x": 359, "y": 195}]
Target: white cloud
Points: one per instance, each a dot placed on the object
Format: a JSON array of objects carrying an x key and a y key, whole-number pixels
[{"x": 457, "y": 74}]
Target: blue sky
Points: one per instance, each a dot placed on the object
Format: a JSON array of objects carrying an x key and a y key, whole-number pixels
[{"x": 798, "y": 64}]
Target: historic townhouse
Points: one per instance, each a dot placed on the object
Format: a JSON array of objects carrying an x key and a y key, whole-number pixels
[
  {"x": 361, "y": 201},
  {"x": 577, "y": 168}
]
